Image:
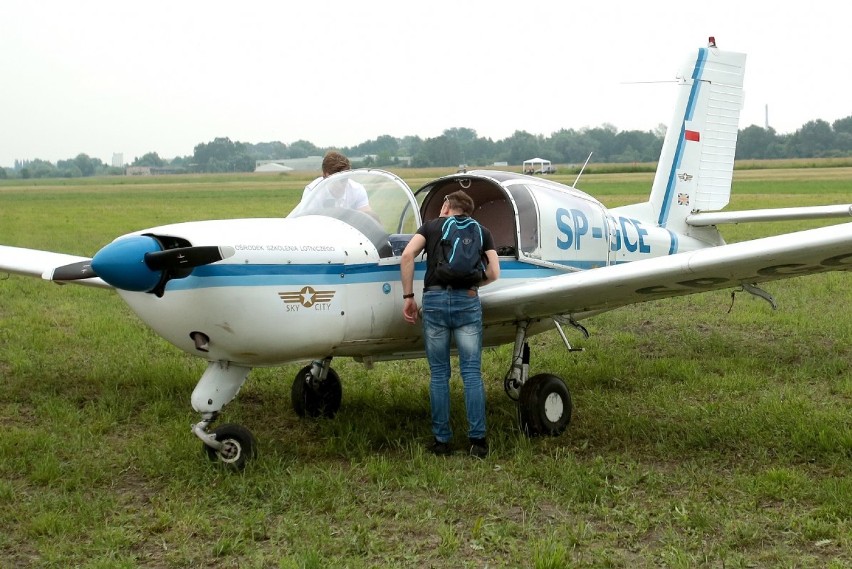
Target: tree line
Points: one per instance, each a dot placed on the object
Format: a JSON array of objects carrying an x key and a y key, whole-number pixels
[{"x": 815, "y": 139}]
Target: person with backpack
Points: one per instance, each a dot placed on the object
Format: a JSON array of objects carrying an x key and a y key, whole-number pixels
[{"x": 460, "y": 258}]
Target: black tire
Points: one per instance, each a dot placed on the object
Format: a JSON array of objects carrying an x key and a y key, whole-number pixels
[
  {"x": 239, "y": 446},
  {"x": 544, "y": 406},
  {"x": 314, "y": 398}
]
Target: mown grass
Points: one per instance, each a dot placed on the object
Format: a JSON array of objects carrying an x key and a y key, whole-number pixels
[{"x": 704, "y": 434}]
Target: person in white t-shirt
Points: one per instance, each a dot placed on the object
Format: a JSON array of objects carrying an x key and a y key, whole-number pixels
[
  {"x": 349, "y": 194},
  {"x": 332, "y": 163}
]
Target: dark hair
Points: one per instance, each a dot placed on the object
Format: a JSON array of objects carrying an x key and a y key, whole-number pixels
[
  {"x": 460, "y": 200},
  {"x": 334, "y": 162}
]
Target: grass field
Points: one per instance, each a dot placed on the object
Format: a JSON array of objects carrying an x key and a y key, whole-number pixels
[{"x": 708, "y": 432}]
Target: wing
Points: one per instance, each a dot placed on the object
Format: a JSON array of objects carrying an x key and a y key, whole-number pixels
[
  {"x": 596, "y": 290},
  {"x": 41, "y": 264}
]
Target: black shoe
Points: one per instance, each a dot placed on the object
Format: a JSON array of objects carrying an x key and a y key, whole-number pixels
[
  {"x": 478, "y": 448},
  {"x": 440, "y": 449}
]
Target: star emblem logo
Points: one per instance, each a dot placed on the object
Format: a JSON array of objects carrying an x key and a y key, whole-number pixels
[{"x": 307, "y": 296}]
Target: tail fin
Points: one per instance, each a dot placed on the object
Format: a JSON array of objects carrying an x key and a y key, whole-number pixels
[{"x": 697, "y": 160}]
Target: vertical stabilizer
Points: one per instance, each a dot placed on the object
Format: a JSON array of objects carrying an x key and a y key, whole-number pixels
[{"x": 697, "y": 160}]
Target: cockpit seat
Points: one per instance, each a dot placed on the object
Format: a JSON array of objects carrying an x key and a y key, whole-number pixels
[{"x": 398, "y": 241}]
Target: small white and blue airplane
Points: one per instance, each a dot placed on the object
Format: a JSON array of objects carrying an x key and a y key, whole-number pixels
[{"x": 324, "y": 282}]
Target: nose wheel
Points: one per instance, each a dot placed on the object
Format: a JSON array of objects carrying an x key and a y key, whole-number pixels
[{"x": 236, "y": 446}]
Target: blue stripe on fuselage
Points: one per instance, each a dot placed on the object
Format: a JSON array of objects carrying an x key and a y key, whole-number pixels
[
  {"x": 210, "y": 276},
  {"x": 681, "y": 141},
  {"x": 674, "y": 242}
]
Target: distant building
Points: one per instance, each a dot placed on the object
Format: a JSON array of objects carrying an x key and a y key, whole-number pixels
[
  {"x": 117, "y": 160},
  {"x": 271, "y": 166},
  {"x": 153, "y": 170},
  {"x": 308, "y": 164},
  {"x": 314, "y": 163}
]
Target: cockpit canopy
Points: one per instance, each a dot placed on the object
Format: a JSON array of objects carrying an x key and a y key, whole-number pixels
[
  {"x": 379, "y": 194},
  {"x": 377, "y": 203}
]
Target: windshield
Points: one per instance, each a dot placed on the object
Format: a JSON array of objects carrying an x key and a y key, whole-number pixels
[{"x": 379, "y": 194}]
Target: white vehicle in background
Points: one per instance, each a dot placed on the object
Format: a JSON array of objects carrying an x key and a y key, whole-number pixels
[{"x": 538, "y": 166}]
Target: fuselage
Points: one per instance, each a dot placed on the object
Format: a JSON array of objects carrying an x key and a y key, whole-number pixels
[{"x": 317, "y": 285}]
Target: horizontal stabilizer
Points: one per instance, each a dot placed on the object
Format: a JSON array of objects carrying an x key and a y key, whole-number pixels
[{"x": 777, "y": 214}]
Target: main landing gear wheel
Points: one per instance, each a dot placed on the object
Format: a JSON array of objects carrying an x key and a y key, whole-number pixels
[
  {"x": 313, "y": 397},
  {"x": 544, "y": 406},
  {"x": 238, "y": 446}
]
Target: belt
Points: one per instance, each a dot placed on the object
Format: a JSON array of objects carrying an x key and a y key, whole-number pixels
[{"x": 471, "y": 290}]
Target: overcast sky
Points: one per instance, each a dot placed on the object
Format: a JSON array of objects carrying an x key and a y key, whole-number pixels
[{"x": 131, "y": 77}]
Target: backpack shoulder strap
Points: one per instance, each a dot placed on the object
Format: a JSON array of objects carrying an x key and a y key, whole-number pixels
[
  {"x": 446, "y": 226},
  {"x": 470, "y": 222}
]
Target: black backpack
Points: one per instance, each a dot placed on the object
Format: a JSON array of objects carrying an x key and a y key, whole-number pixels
[{"x": 460, "y": 256}]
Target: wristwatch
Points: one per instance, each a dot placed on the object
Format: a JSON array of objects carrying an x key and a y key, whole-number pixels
[{"x": 409, "y": 295}]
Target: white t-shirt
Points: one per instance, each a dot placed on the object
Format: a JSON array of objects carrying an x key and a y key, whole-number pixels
[{"x": 348, "y": 194}]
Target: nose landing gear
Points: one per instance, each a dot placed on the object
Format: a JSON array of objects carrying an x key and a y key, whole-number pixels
[{"x": 230, "y": 444}]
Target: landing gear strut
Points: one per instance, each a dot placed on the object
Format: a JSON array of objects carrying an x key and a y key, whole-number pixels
[
  {"x": 520, "y": 370},
  {"x": 544, "y": 402}
]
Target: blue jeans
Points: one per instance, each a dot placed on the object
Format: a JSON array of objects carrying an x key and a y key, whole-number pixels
[{"x": 447, "y": 315}]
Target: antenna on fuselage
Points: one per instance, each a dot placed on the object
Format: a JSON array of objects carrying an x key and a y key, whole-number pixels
[{"x": 580, "y": 173}]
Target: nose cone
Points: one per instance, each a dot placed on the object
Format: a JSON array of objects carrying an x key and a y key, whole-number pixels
[{"x": 122, "y": 263}]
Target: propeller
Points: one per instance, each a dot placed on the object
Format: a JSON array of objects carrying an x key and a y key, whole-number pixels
[
  {"x": 183, "y": 257},
  {"x": 141, "y": 263},
  {"x": 73, "y": 271}
]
